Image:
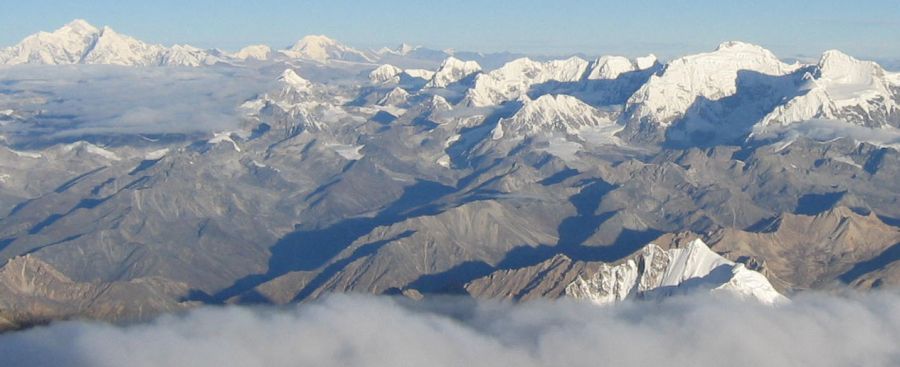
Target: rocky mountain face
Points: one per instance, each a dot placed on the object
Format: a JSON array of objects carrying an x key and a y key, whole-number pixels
[
  {"x": 652, "y": 273},
  {"x": 346, "y": 173}
]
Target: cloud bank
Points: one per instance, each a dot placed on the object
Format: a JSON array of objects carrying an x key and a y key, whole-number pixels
[
  {"x": 825, "y": 130},
  {"x": 375, "y": 331},
  {"x": 106, "y": 100}
]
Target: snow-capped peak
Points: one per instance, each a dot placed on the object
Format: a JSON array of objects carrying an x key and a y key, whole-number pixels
[
  {"x": 515, "y": 78},
  {"x": 439, "y": 103},
  {"x": 322, "y": 49},
  {"x": 397, "y": 97},
  {"x": 113, "y": 48},
  {"x": 712, "y": 75},
  {"x": 551, "y": 114},
  {"x": 451, "y": 71},
  {"x": 253, "y": 52},
  {"x": 385, "y": 74},
  {"x": 842, "y": 88},
  {"x": 610, "y": 67},
  {"x": 646, "y": 62},
  {"x": 78, "y": 26},
  {"x": 66, "y": 45},
  {"x": 656, "y": 273},
  {"x": 738, "y": 46},
  {"x": 79, "y": 42},
  {"x": 402, "y": 50},
  {"x": 291, "y": 80},
  {"x": 838, "y": 67}
]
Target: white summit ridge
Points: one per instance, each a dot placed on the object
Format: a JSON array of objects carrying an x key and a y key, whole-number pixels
[
  {"x": 253, "y": 52},
  {"x": 840, "y": 88},
  {"x": 658, "y": 273},
  {"x": 385, "y": 74},
  {"x": 451, "y": 71},
  {"x": 79, "y": 42},
  {"x": 712, "y": 75},
  {"x": 515, "y": 78},
  {"x": 550, "y": 114},
  {"x": 612, "y": 67},
  {"x": 322, "y": 49}
]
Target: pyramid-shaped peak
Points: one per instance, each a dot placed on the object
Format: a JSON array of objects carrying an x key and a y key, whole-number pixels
[
  {"x": 79, "y": 26},
  {"x": 290, "y": 77},
  {"x": 556, "y": 108},
  {"x": 836, "y": 58},
  {"x": 838, "y": 66}
]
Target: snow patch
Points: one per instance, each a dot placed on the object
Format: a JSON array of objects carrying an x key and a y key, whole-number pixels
[
  {"x": 348, "y": 152},
  {"x": 156, "y": 154},
  {"x": 224, "y": 137},
  {"x": 22, "y": 154}
]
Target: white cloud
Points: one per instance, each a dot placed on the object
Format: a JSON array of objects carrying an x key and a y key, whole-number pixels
[
  {"x": 825, "y": 130},
  {"x": 104, "y": 99},
  {"x": 814, "y": 330}
]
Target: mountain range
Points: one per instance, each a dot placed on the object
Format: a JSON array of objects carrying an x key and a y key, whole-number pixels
[{"x": 415, "y": 172}]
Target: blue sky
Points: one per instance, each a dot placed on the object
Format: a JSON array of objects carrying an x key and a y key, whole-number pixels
[{"x": 866, "y": 28}]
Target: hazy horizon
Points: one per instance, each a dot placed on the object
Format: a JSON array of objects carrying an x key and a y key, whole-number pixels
[{"x": 795, "y": 30}]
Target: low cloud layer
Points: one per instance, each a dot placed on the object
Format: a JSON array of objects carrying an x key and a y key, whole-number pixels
[
  {"x": 371, "y": 331},
  {"x": 108, "y": 100},
  {"x": 825, "y": 130}
]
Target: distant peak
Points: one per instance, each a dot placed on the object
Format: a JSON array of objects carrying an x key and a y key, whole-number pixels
[
  {"x": 522, "y": 61},
  {"x": 320, "y": 48},
  {"x": 646, "y": 62},
  {"x": 406, "y": 48},
  {"x": 317, "y": 39},
  {"x": 740, "y": 46},
  {"x": 453, "y": 62},
  {"x": 79, "y": 23},
  {"x": 257, "y": 52}
]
